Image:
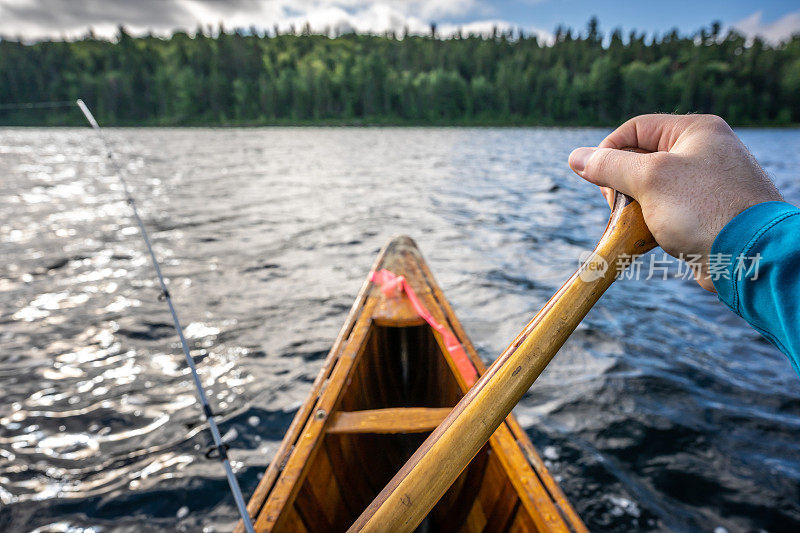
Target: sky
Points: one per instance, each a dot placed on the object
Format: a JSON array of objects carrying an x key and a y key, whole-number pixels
[{"x": 773, "y": 20}]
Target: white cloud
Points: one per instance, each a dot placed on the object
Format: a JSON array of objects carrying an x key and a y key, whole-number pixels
[
  {"x": 485, "y": 27},
  {"x": 38, "y": 19},
  {"x": 773, "y": 32}
]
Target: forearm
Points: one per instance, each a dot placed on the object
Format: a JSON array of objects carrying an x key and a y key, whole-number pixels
[{"x": 758, "y": 272}]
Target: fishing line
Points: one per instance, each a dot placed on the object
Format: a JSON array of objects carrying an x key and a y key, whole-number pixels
[{"x": 219, "y": 449}]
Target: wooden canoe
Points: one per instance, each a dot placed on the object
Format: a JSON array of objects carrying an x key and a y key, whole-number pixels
[{"x": 388, "y": 381}]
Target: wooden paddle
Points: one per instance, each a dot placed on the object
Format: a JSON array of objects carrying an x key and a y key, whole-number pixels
[{"x": 427, "y": 475}]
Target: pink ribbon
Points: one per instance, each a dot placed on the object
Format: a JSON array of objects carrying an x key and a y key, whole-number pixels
[{"x": 392, "y": 286}]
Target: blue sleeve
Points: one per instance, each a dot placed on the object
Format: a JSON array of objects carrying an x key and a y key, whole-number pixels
[{"x": 755, "y": 267}]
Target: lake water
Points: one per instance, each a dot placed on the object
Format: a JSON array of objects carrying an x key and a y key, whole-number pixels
[{"x": 664, "y": 411}]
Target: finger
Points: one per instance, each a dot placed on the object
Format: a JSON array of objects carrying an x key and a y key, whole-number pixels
[
  {"x": 606, "y": 167},
  {"x": 608, "y": 194},
  {"x": 649, "y": 132}
]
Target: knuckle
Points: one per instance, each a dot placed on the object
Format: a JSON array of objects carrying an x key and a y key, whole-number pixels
[{"x": 716, "y": 123}]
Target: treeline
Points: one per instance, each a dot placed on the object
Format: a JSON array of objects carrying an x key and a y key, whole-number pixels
[{"x": 251, "y": 77}]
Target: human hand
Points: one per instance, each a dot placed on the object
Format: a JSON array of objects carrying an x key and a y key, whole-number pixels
[{"x": 696, "y": 179}]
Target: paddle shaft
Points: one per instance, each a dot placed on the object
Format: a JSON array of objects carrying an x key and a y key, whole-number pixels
[{"x": 423, "y": 480}]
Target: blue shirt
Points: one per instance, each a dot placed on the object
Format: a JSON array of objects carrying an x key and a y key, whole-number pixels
[{"x": 755, "y": 267}]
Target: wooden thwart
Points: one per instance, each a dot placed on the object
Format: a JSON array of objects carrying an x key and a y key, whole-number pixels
[{"x": 397, "y": 420}]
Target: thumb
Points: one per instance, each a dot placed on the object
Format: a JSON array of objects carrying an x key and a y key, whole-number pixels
[{"x": 607, "y": 167}]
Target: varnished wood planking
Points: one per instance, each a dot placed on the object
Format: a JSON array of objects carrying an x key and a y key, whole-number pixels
[
  {"x": 293, "y": 521},
  {"x": 312, "y": 510},
  {"x": 323, "y": 484},
  {"x": 502, "y": 512},
  {"x": 466, "y": 497},
  {"x": 356, "y": 489},
  {"x": 523, "y": 523}
]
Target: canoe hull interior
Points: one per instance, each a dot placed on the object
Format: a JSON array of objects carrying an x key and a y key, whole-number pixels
[{"x": 387, "y": 383}]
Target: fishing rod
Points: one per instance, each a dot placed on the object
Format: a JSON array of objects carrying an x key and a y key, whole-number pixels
[{"x": 219, "y": 449}]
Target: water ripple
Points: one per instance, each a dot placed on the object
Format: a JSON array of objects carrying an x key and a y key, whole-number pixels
[{"x": 663, "y": 410}]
